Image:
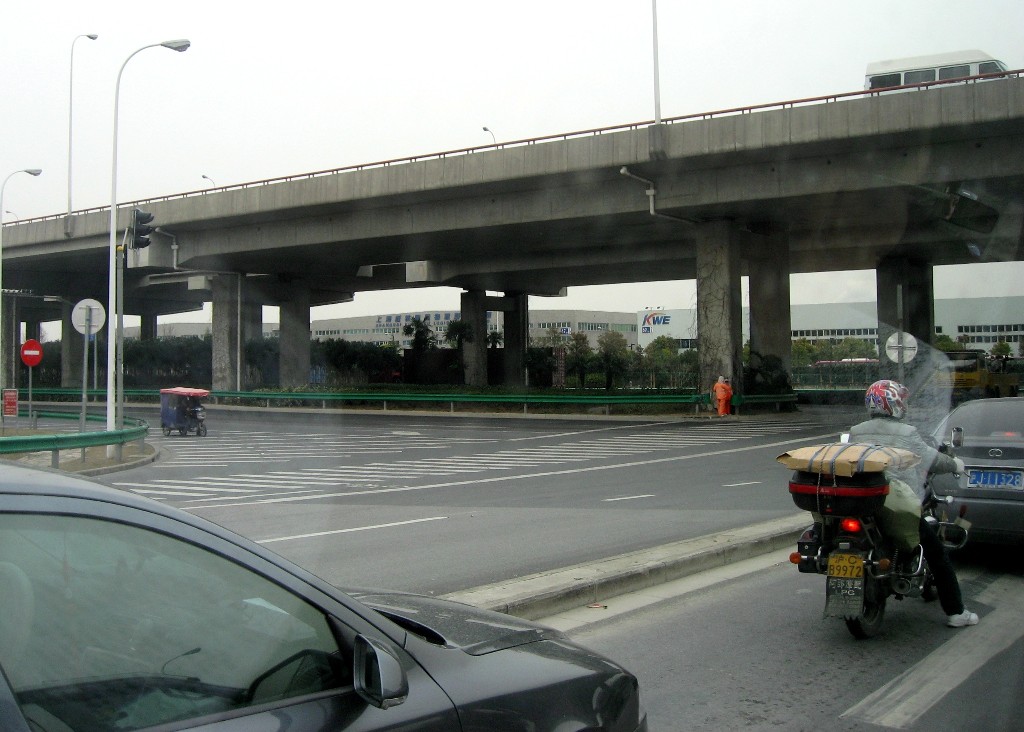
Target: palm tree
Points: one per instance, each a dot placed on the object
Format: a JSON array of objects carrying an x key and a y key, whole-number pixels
[{"x": 423, "y": 338}]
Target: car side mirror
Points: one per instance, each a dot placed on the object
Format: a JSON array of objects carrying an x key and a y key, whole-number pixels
[
  {"x": 956, "y": 437},
  {"x": 378, "y": 674}
]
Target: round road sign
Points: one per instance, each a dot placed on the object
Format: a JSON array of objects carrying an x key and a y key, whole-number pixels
[
  {"x": 901, "y": 353},
  {"x": 31, "y": 352},
  {"x": 88, "y": 312}
]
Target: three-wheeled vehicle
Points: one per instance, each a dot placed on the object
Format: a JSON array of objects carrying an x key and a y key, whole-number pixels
[{"x": 181, "y": 409}]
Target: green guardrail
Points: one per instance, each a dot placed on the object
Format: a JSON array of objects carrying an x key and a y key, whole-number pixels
[
  {"x": 74, "y": 440},
  {"x": 607, "y": 401}
]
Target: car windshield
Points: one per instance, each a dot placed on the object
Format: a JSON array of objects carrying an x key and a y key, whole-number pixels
[{"x": 152, "y": 629}]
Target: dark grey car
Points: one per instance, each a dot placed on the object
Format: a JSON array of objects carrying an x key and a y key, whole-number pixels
[
  {"x": 988, "y": 435},
  {"x": 119, "y": 613}
]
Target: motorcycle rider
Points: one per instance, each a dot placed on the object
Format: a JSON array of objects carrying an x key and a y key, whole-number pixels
[{"x": 887, "y": 405}]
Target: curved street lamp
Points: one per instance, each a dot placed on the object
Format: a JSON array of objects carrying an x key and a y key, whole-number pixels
[
  {"x": 71, "y": 106},
  {"x": 206, "y": 177},
  {"x": 3, "y": 354},
  {"x": 114, "y": 325},
  {"x": 493, "y": 138}
]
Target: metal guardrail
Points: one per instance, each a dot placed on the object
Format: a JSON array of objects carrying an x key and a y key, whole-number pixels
[
  {"x": 73, "y": 440},
  {"x": 451, "y": 398}
]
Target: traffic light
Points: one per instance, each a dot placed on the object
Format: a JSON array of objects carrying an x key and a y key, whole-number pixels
[{"x": 141, "y": 229}]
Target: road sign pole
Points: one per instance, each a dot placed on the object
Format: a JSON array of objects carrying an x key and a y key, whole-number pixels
[{"x": 85, "y": 368}]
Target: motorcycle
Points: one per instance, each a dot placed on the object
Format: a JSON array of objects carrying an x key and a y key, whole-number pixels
[{"x": 863, "y": 566}]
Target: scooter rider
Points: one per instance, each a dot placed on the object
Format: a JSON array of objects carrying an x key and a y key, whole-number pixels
[{"x": 886, "y": 402}]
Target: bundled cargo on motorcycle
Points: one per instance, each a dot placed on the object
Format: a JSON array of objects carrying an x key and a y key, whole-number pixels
[{"x": 848, "y": 479}]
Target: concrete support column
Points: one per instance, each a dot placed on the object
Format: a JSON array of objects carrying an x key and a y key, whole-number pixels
[
  {"x": 226, "y": 331},
  {"x": 294, "y": 337},
  {"x": 517, "y": 327},
  {"x": 8, "y": 372},
  {"x": 252, "y": 319},
  {"x": 719, "y": 305},
  {"x": 33, "y": 329},
  {"x": 474, "y": 312},
  {"x": 71, "y": 349},
  {"x": 909, "y": 280},
  {"x": 147, "y": 327},
  {"x": 770, "y": 315}
]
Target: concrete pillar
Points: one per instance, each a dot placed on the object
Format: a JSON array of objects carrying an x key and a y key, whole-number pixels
[
  {"x": 226, "y": 330},
  {"x": 719, "y": 305},
  {"x": 71, "y": 350},
  {"x": 147, "y": 327},
  {"x": 252, "y": 318},
  {"x": 474, "y": 312},
  {"x": 294, "y": 337},
  {"x": 33, "y": 329},
  {"x": 517, "y": 327},
  {"x": 770, "y": 322},
  {"x": 909, "y": 280}
]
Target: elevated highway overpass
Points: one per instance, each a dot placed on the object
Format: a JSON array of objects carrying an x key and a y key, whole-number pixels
[{"x": 896, "y": 182}]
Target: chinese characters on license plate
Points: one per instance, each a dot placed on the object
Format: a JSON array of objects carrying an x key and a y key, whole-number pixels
[
  {"x": 844, "y": 590},
  {"x": 845, "y": 565},
  {"x": 995, "y": 479}
]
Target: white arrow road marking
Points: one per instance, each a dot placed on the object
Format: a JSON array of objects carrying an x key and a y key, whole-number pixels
[{"x": 903, "y": 700}]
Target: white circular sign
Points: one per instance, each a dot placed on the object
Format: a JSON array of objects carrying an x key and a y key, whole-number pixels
[
  {"x": 88, "y": 310},
  {"x": 898, "y": 353}
]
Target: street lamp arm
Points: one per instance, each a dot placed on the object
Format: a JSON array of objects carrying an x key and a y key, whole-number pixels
[{"x": 114, "y": 317}]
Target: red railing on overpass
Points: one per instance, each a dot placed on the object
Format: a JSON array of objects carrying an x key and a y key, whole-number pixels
[{"x": 546, "y": 138}]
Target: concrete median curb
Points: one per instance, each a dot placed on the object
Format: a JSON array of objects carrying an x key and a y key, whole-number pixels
[{"x": 547, "y": 593}]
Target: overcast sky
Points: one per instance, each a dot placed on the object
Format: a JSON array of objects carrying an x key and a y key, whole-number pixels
[{"x": 272, "y": 89}]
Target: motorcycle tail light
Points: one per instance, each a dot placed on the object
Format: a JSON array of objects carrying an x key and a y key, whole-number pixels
[{"x": 850, "y": 525}]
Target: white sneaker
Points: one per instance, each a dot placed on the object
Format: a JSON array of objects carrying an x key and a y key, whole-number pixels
[{"x": 963, "y": 619}]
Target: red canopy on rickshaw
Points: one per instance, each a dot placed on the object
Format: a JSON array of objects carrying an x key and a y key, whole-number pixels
[{"x": 186, "y": 391}]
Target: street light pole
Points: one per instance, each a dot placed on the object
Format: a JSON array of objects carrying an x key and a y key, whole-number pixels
[
  {"x": 113, "y": 255},
  {"x": 657, "y": 82},
  {"x": 71, "y": 106},
  {"x": 3, "y": 355},
  {"x": 493, "y": 138}
]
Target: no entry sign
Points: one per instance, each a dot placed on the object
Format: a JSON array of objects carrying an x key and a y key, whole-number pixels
[{"x": 31, "y": 352}]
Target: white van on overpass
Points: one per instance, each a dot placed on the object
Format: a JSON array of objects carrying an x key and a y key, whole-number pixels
[{"x": 923, "y": 69}]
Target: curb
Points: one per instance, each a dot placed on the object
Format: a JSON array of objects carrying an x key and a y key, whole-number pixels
[{"x": 544, "y": 594}]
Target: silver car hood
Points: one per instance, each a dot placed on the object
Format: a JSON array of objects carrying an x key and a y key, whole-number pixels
[{"x": 453, "y": 624}]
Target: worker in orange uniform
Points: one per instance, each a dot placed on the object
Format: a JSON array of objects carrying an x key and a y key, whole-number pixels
[{"x": 723, "y": 395}]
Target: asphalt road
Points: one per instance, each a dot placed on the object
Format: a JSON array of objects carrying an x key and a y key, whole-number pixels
[
  {"x": 746, "y": 647},
  {"x": 436, "y": 503}
]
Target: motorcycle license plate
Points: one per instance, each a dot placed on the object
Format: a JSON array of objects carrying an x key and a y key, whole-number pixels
[
  {"x": 844, "y": 588},
  {"x": 848, "y": 566}
]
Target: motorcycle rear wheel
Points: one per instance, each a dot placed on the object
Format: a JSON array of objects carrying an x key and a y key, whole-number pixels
[{"x": 869, "y": 622}]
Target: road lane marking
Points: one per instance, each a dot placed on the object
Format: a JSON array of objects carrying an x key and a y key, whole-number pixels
[
  {"x": 528, "y": 476},
  {"x": 902, "y": 701},
  {"x": 348, "y": 531},
  {"x": 737, "y": 485},
  {"x": 628, "y": 498}
]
